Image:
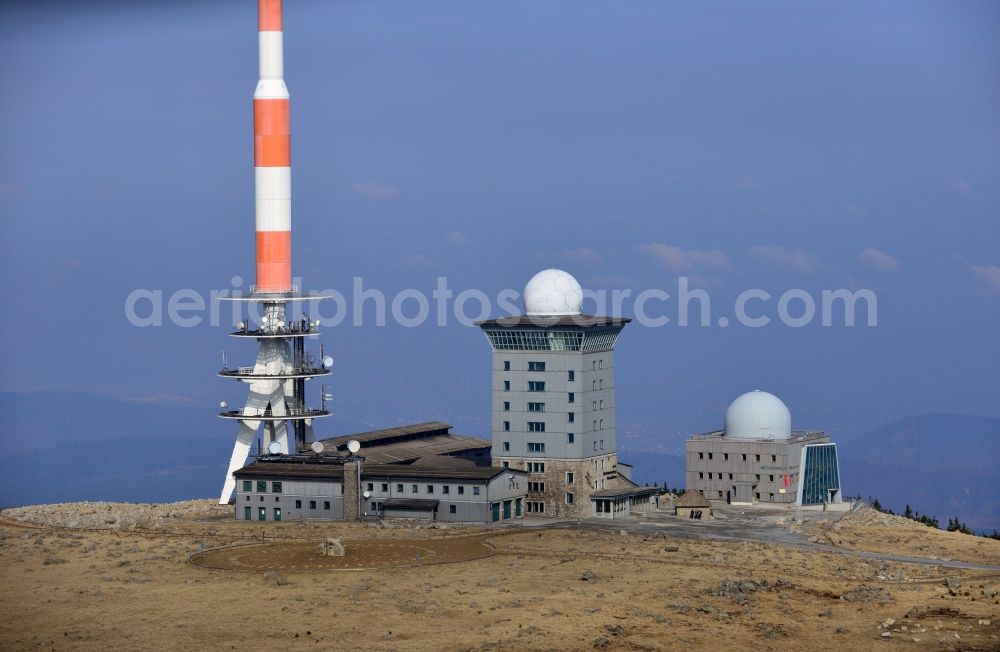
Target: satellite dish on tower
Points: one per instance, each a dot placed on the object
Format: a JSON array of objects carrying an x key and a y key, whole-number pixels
[
  {"x": 317, "y": 447},
  {"x": 328, "y": 362},
  {"x": 274, "y": 448},
  {"x": 354, "y": 445},
  {"x": 367, "y": 494},
  {"x": 223, "y": 405}
]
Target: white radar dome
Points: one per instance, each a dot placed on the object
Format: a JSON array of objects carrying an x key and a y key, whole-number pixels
[
  {"x": 552, "y": 292},
  {"x": 758, "y": 415}
]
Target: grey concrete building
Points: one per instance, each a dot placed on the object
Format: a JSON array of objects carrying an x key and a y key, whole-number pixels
[
  {"x": 295, "y": 487},
  {"x": 553, "y": 399},
  {"x": 759, "y": 458}
]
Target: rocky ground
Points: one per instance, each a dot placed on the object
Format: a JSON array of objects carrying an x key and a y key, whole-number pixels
[
  {"x": 871, "y": 530},
  {"x": 119, "y": 515},
  {"x": 552, "y": 589}
]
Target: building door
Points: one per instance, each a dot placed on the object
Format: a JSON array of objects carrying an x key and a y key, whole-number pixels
[
  {"x": 277, "y": 513},
  {"x": 247, "y": 514},
  {"x": 517, "y": 507},
  {"x": 506, "y": 509},
  {"x": 262, "y": 514},
  {"x": 495, "y": 508}
]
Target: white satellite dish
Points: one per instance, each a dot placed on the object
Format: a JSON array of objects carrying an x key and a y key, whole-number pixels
[
  {"x": 243, "y": 326},
  {"x": 354, "y": 445},
  {"x": 367, "y": 494},
  {"x": 274, "y": 448},
  {"x": 317, "y": 447},
  {"x": 328, "y": 362},
  {"x": 223, "y": 405}
]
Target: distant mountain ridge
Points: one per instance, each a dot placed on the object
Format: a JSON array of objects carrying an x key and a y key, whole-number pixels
[
  {"x": 59, "y": 446},
  {"x": 941, "y": 464}
]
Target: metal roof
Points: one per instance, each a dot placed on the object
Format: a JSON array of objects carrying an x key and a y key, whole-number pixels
[
  {"x": 427, "y": 427},
  {"x": 414, "y": 449},
  {"x": 562, "y": 321},
  {"x": 623, "y": 492},
  {"x": 311, "y": 470}
]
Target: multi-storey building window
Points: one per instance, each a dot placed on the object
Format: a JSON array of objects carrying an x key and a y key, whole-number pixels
[
  {"x": 506, "y": 406},
  {"x": 536, "y": 386},
  {"x": 570, "y": 437},
  {"x": 570, "y": 477},
  {"x": 536, "y": 407},
  {"x": 506, "y": 365},
  {"x": 536, "y": 447},
  {"x": 506, "y": 446},
  {"x": 571, "y": 397},
  {"x": 506, "y": 385},
  {"x": 506, "y": 425},
  {"x": 569, "y": 498},
  {"x": 536, "y": 366},
  {"x": 571, "y": 417},
  {"x": 536, "y": 426},
  {"x": 570, "y": 375}
]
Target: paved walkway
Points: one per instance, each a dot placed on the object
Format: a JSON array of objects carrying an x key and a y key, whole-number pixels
[{"x": 758, "y": 527}]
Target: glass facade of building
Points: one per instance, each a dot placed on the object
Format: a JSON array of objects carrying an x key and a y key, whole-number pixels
[
  {"x": 821, "y": 475},
  {"x": 515, "y": 339}
]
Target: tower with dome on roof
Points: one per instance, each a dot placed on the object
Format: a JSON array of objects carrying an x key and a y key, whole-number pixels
[
  {"x": 553, "y": 403},
  {"x": 758, "y": 458}
]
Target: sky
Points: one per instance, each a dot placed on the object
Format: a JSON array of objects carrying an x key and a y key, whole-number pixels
[{"x": 813, "y": 146}]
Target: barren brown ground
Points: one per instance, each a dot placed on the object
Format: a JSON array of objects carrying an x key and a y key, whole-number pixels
[
  {"x": 552, "y": 589},
  {"x": 912, "y": 540}
]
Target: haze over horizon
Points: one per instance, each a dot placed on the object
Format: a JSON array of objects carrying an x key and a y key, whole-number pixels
[{"x": 837, "y": 146}]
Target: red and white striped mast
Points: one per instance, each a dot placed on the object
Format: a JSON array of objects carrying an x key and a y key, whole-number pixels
[
  {"x": 272, "y": 157},
  {"x": 277, "y": 379}
]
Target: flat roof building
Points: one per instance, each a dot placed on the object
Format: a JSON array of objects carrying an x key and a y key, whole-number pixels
[
  {"x": 286, "y": 488},
  {"x": 553, "y": 400},
  {"x": 757, "y": 457}
]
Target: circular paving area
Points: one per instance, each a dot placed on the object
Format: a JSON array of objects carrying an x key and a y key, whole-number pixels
[{"x": 371, "y": 554}]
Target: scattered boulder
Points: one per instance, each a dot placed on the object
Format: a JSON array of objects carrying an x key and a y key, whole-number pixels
[
  {"x": 864, "y": 594},
  {"x": 332, "y": 548},
  {"x": 771, "y": 630},
  {"x": 588, "y": 576}
]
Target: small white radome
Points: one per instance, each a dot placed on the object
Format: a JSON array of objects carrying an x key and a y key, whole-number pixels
[{"x": 552, "y": 292}]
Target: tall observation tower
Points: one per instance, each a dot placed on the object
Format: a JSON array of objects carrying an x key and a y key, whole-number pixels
[
  {"x": 554, "y": 396},
  {"x": 277, "y": 379}
]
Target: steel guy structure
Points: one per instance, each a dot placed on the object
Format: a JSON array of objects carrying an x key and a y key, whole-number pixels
[{"x": 277, "y": 379}]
